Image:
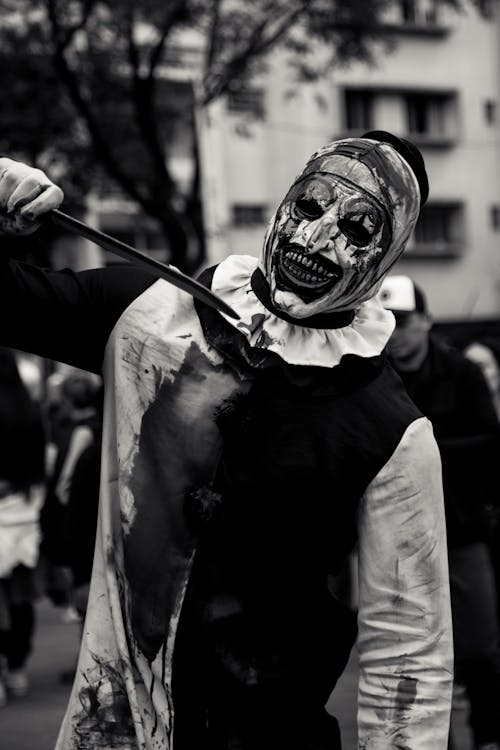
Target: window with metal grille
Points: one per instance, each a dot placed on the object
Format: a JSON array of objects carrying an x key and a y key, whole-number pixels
[
  {"x": 439, "y": 230},
  {"x": 358, "y": 109},
  {"x": 408, "y": 9},
  {"x": 427, "y": 114},
  {"x": 487, "y": 8},
  {"x": 418, "y": 12},
  {"x": 490, "y": 111},
  {"x": 249, "y": 101},
  {"x": 137, "y": 230},
  {"x": 495, "y": 217}
]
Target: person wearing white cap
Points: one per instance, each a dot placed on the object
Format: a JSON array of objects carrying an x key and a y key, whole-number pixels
[
  {"x": 242, "y": 461},
  {"x": 452, "y": 392}
]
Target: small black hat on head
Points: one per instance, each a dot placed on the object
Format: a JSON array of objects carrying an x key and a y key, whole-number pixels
[{"x": 410, "y": 154}]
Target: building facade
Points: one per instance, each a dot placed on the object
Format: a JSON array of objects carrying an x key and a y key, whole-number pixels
[
  {"x": 438, "y": 87},
  {"x": 436, "y": 83}
]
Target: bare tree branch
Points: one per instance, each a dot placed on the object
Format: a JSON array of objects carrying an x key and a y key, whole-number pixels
[
  {"x": 258, "y": 43},
  {"x": 82, "y": 106},
  {"x": 145, "y": 114},
  {"x": 213, "y": 31},
  {"x": 70, "y": 31},
  {"x": 103, "y": 79},
  {"x": 174, "y": 14},
  {"x": 133, "y": 52}
]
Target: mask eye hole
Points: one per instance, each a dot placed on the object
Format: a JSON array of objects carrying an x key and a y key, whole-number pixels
[
  {"x": 355, "y": 231},
  {"x": 308, "y": 208}
]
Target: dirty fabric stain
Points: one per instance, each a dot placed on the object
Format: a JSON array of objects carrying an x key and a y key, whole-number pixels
[
  {"x": 406, "y": 695},
  {"x": 174, "y": 456},
  {"x": 105, "y": 719}
]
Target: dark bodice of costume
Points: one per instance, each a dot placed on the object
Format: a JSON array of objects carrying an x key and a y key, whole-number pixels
[{"x": 299, "y": 450}]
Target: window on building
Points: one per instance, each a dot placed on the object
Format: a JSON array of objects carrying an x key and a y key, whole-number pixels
[
  {"x": 427, "y": 114},
  {"x": 418, "y": 12},
  {"x": 486, "y": 8},
  {"x": 247, "y": 215},
  {"x": 439, "y": 230},
  {"x": 490, "y": 111},
  {"x": 174, "y": 56},
  {"x": 358, "y": 109},
  {"x": 139, "y": 231},
  {"x": 140, "y": 238},
  {"x": 408, "y": 9},
  {"x": 431, "y": 13},
  {"x": 246, "y": 101},
  {"x": 495, "y": 217},
  {"x": 429, "y": 118}
]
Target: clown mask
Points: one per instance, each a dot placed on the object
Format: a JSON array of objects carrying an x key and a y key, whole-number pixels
[{"x": 342, "y": 225}]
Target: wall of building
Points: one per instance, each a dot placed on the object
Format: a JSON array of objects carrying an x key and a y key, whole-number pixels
[
  {"x": 262, "y": 156},
  {"x": 465, "y": 61},
  {"x": 457, "y": 59}
]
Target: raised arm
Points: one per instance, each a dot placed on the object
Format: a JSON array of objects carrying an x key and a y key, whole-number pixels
[
  {"x": 405, "y": 635},
  {"x": 62, "y": 315}
]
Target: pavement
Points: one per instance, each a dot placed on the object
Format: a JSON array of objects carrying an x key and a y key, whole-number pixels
[{"x": 32, "y": 723}]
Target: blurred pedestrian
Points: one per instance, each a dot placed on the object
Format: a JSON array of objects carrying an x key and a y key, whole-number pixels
[
  {"x": 83, "y": 503},
  {"x": 81, "y": 518},
  {"x": 452, "y": 392},
  {"x": 74, "y": 419},
  {"x": 486, "y": 353},
  {"x": 22, "y": 456}
]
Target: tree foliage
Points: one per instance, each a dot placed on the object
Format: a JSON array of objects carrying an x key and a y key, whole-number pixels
[{"x": 87, "y": 94}]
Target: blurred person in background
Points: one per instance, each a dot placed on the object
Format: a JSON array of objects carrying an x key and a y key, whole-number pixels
[
  {"x": 485, "y": 352},
  {"x": 242, "y": 460},
  {"x": 74, "y": 418},
  {"x": 452, "y": 392},
  {"x": 80, "y": 420},
  {"x": 83, "y": 503},
  {"x": 81, "y": 518},
  {"x": 22, "y": 458}
]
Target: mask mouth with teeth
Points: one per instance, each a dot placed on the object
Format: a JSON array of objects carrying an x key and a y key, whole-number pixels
[
  {"x": 341, "y": 226},
  {"x": 310, "y": 277}
]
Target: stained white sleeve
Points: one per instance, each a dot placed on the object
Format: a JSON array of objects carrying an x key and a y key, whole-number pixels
[{"x": 405, "y": 635}]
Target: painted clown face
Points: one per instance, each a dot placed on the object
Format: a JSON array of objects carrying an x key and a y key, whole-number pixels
[{"x": 341, "y": 226}]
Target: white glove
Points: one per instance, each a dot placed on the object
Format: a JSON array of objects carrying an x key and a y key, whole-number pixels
[{"x": 26, "y": 194}]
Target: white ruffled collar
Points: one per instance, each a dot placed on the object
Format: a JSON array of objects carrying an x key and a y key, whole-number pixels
[{"x": 365, "y": 336}]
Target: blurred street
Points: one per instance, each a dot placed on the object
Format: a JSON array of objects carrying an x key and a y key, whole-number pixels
[{"x": 32, "y": 723}]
